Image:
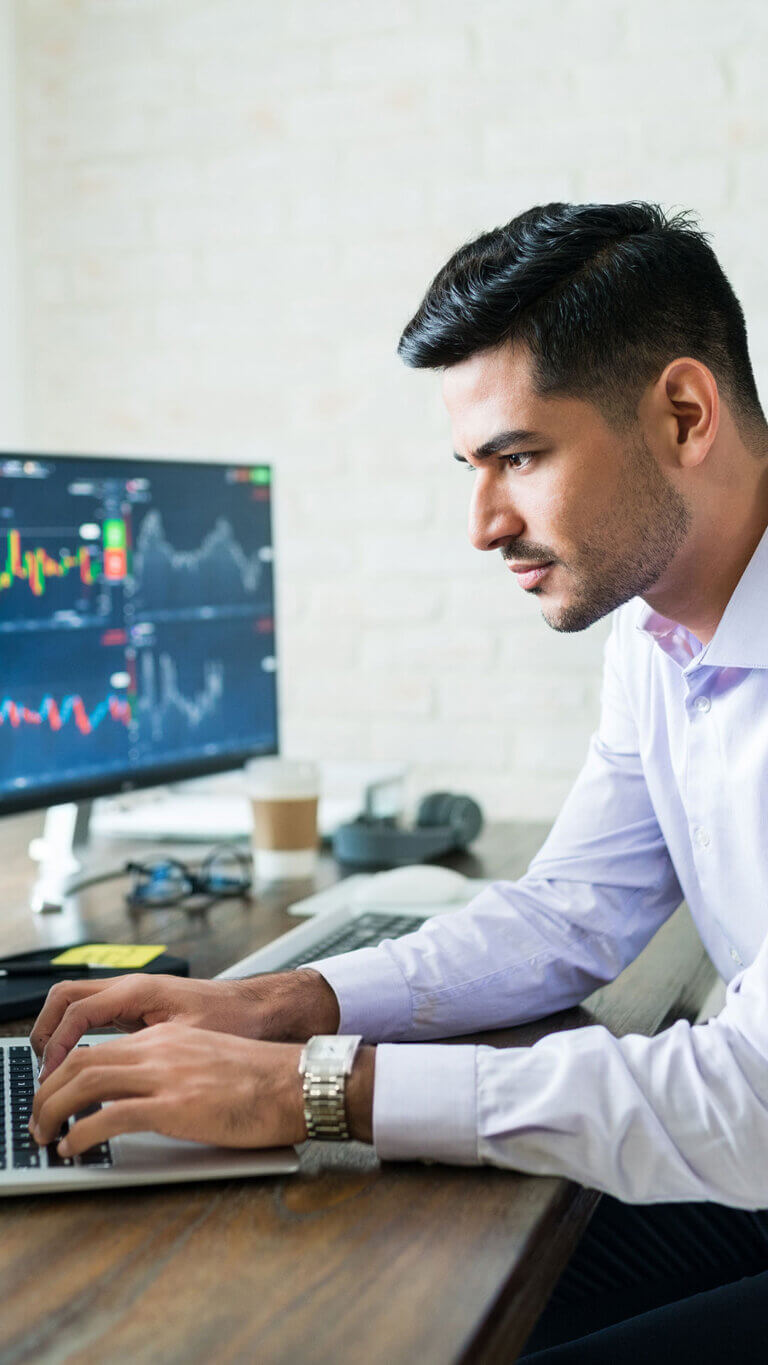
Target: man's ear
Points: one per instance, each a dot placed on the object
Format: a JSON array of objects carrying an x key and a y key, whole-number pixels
[{"x": 689, "y": 407}]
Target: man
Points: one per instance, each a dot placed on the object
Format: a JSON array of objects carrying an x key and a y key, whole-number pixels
[{"x": 598, "y": 383}]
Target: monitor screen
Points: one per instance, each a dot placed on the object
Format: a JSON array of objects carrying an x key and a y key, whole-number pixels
[{"x": 137, "y": 636}]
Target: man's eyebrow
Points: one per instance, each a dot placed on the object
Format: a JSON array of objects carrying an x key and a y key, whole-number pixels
[{"x": 513, "y": 437}]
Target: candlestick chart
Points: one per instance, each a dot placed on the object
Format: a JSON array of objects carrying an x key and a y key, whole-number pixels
[
  {"x": 47, "y": 570},
  {"x": 35, "y": 566}
]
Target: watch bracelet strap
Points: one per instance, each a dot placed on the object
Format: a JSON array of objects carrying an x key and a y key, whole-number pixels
[{"x": 324, "y": 1108}]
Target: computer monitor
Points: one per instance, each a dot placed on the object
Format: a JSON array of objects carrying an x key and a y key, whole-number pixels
[{"x": 137, "y": 637}]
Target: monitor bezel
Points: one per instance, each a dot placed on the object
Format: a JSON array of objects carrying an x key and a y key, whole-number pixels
[{"x": 26, "y": 799}]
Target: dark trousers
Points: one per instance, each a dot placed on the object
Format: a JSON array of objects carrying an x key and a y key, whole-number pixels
[{"x": 660, "y": 1283}]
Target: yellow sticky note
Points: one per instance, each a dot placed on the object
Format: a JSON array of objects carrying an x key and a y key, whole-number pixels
[{"x": 122, "y": 956}]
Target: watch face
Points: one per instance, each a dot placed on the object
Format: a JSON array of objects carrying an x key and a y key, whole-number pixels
[
  {"x": 337, "y": 1047},
  {"x": 331, "y": 1050},
  {"x": 330, "y": 1047}
]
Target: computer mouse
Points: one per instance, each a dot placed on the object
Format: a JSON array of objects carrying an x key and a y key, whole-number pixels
[{"x": 416, "y": 884}]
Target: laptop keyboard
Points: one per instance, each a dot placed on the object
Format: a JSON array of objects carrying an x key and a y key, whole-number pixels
[
  {"x": 366, "y": 931},
  {"x": 18, "y": 1149}
]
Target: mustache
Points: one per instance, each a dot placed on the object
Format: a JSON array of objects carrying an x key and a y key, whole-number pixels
[{"x": 521, "y": 553}]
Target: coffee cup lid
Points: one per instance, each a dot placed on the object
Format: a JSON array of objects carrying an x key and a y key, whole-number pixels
[{"x": 282, "y": 778}]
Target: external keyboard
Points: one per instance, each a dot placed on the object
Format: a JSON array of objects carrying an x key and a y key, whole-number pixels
[
  {"x": 18, "y": 1149},
  {"x": 365, "y": 931}
]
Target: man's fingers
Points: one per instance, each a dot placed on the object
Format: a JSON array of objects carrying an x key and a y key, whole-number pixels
[
  {"x": 116, "y": 1052},
  {"x": 124, "y": 1116},
  {"x": 91, "y": 1085},
  {"x": 58, "y": 998},
  {"x": 124, "y": 999}
]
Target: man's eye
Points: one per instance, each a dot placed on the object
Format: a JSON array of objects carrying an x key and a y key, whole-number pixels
[{"x": 520, "y": 460}]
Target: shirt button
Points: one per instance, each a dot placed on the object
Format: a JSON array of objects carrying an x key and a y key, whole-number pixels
[
  {"x": 735, "y": 956},
  {"x": 702, "y": 704},
  {"x": 701, "y": 838}
]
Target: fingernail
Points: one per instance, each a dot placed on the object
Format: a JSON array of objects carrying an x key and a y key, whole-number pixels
[{"x": 63, "y": 1147}]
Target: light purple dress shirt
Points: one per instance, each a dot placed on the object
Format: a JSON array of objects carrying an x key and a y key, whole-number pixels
[{"x": 672, "y": 802}]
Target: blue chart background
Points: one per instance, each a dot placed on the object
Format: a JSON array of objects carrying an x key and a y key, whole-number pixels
[
  {"x": 195, "y": 620},
  {"x": 231, "y": 649},
  {"x": 60, "y": 663}
]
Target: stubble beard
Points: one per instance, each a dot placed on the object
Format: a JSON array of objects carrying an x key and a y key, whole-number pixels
[{"x": 650, "y": 525}]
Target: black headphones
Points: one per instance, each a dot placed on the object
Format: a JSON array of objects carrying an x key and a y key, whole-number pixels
[{"x": 444, "y": 822}]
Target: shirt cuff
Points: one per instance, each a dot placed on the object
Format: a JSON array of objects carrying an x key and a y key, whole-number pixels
[
  {"x": 372, "y": 992},
  {"x": 424, "y": 1103}
]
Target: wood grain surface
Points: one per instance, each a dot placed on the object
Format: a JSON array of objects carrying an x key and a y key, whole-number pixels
[{"x": 348, "y": 1260}]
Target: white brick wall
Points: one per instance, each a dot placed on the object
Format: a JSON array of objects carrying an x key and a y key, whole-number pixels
[
  {"x": 11, "y": 359},
  {"x": 231, "y": 208}
]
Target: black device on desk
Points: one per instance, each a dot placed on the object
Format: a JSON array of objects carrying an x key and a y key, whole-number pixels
[
  {"x": 136, "y": 632},
  {"x": 26, "y": 978}
]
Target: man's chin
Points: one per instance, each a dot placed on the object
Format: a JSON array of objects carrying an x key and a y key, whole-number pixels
[{"x": 570, "y": 617}]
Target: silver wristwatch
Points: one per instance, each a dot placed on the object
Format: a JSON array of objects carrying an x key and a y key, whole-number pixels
[{"x": 325, "y": 1063}]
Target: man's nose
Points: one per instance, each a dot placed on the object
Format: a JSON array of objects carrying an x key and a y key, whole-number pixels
[{"x": 493, "y": 518}]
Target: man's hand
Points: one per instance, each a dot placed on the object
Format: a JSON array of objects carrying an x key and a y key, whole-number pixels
[
  {"x": 288, "y": 1005},
  {"x": 188, "y": 1083}
]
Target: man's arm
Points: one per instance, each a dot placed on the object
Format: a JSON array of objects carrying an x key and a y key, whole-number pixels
[
  {"x": 593, "y": 897},
  {"x": 681, "y": 1116}
]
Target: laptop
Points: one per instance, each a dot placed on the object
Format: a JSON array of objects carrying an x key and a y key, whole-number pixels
[{"x": 132, "y": 1159}]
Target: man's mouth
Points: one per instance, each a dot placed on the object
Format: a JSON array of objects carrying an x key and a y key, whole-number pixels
[{"x": 530, "y": 575}]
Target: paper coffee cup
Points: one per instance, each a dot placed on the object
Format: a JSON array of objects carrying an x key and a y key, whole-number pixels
[{"x": 284, "y": 795}]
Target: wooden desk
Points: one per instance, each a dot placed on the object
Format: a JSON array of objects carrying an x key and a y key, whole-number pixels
[{"x": 347, "y": 1261}]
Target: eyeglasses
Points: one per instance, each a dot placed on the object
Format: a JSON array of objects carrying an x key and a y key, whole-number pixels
[{"x": 225, "y": 872}]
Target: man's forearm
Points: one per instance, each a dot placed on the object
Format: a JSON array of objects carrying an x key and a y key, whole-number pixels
[
  {"x": 290, "y": 1006},
  {"x": 316, "y": 1004}
]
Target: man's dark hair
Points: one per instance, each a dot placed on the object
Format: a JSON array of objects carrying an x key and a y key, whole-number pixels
[{"x": 603, "y": 296}]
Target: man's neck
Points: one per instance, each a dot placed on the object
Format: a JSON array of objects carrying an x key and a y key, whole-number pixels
[{"x": 707, "y": 573}]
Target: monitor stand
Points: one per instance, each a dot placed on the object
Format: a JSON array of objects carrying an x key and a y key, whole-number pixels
[{"x": 65, "y": 862}]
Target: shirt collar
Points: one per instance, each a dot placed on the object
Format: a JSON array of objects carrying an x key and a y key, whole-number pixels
[{"x": 741, "y": 638}]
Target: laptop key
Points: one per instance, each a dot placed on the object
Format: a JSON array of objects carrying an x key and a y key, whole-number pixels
[
  {"x": 25, "y": 1158},
  {"x": 54, "y": 1159},
  {"x": 101, "y": 1153}
]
